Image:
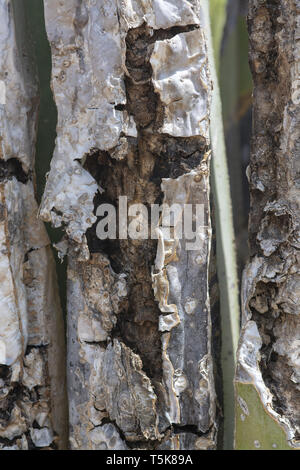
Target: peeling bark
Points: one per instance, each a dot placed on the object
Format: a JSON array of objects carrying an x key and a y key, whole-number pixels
[
  {"x": 132, "y": 89},
  {"x": 268, "y": 357},
  {"x": 32, "y": 385}
]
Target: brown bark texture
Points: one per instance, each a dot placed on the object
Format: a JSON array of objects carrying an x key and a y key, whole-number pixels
[{"x": 268, "y": 356}]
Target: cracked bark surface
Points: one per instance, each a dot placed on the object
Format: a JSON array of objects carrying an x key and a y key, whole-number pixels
[
  {"x": 132, "y": 88},
  {"x": 268, "y": 357},
  {"x": 32, "y": 379}
]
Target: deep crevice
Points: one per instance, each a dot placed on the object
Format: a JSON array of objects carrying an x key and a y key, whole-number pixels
[
  {"x": 143, "y": 103},
  {"x": 12, "y": 168},
  {"x": 150, "y": 157},
  {"x": 188, "y": 428},
  {"x": 46, "y": 126}
]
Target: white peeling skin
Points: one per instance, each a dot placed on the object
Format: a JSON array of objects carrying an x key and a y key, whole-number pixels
[
  {"x": 30, "y": 315},
  {"x": 87, "y": 85},
  {"x": 108, "y": 372},
  {"x": 41, "y": 437},
  {"x": 21, "y": 232},
  {"x": 92, "y": 317},
  {"x": 88, "y": 44},
  {"x": 122, "y": 369},
  {"x": 17, "y": 91},
  {"x": 180, "y": 77},
  {"x": 184, "y": 373},
  {"x": 159, "y": 14},
  {"x": 107, "y": 437},
  {"x": 31, "y": 328},
  {"x": 88, "y": 69},
  {"x": 11, "y": 346}
]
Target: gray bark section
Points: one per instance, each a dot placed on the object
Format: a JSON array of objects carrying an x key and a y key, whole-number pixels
[
  {"x": 132, "y": 88},
  {"x": 32, "y": 369},
  {"x": 271, "y": 285}
]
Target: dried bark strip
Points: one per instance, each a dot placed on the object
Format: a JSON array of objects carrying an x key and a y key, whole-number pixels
[
  {"x": 32, "y": 385},
  {"x": 132, "y": 89},
  {"x": 268, "y": 356}
]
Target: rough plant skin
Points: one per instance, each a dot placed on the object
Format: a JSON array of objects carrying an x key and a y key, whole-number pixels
[
  {"x": 132, "y": 89},
  {"x": 268, "y": 357},
  {"x": 32, "y": 372}
]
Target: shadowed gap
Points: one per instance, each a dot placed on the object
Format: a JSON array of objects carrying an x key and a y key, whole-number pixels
[{"x": 47, "y": 120}]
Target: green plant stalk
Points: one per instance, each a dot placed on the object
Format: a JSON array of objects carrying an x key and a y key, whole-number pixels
[
  {"x": 226, "y": 252},
  {"x": 217, "y": 10}
]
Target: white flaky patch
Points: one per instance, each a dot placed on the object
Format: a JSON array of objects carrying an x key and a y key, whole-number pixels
[
  {"x": 106, "y": 437},
  {"x": 158, "y": 14},
  {"x": 18, "y": 92},
  {"x": 13, "y": 307},
  {"x": 168, "y": 283},
  {"x": 87, "y": 87},
  {"x": 180, "y": 76},
  {"x": 88, "y": 72},
  {"x": 2, "y": 92},
  {"x": 25, "y": 305}
]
